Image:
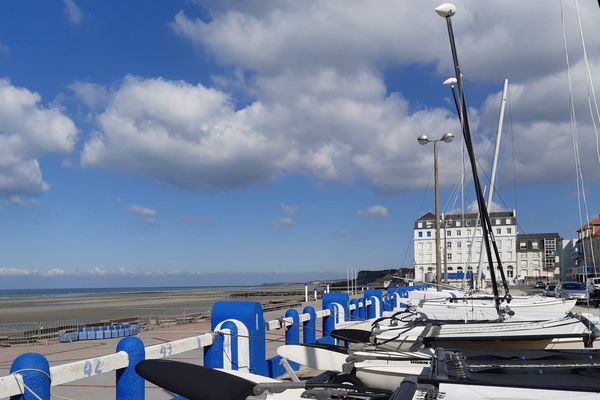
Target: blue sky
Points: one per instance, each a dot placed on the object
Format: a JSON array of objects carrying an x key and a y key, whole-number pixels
[{"x": 201, "y": 143}]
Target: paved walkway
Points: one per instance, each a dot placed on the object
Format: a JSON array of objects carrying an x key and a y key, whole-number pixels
[{"x": 103, "y": 386}]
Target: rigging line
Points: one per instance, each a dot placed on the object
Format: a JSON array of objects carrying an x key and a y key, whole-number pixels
[
  {"x": 590, "y": 81},
  {"x": 573, "y": 131},
  {"x": 512, "y": 141},
  {"x": 590, "y": 95},
  {"x": 452, "y": 199}
]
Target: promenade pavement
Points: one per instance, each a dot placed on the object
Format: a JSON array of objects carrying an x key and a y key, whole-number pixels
[{"x": 103, "y": 386}]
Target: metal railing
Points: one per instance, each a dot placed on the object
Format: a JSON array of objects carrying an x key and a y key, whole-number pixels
[{"x": 232, "y": 346}]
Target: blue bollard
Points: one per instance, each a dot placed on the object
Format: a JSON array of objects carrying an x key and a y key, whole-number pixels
[
  {"x": 376, "y": 307},
  {"x": 213, "y": 354},
  {"x": 130, "y": 386},
  {"x": 329, "y": 321},
  {"x": 362, "y": 310},
  {"x": 249, "y": 315},
  {"x": 292, "y": 333},
  {"x": 35, "y": 370},
  {"x": 309, "y": 328}
]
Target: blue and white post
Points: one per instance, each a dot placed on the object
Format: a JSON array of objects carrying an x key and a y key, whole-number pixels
[
  {"x": 339, "y": 306},
  {"x": 244, "y": 323},
  {"x": 35, "y": 371}
]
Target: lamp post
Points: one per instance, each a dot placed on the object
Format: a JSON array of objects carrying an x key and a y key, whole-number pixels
[{"x": 423, "y": 140}]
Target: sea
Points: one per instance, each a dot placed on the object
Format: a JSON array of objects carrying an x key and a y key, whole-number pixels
[{"x": 8, "y": 294}]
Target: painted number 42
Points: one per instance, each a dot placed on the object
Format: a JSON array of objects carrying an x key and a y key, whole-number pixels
[{"x": 92, "y": 367}]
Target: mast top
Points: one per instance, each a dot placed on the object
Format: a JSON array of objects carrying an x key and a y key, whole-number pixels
[{"x": 446, "y": 10}]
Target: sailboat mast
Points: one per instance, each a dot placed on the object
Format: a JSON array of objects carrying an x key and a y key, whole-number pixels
[
  {"x": 447, "y": 11},
  {"x": 494, "y": 168}
]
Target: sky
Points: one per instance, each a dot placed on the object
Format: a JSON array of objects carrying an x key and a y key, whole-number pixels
[{"x": 196, "y": 142}]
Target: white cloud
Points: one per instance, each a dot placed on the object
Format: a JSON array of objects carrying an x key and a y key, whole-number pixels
[
  {"x": 55, "y": 272},
  {"x": 192, "y": 137},
  {"x": 73, "y": 11},
  {"x": 92, "y": 94},
  {"x": 28, "y": 131},
  {"x": 14, "y": 271},
  {"x": 20, "y": 201},
  {"x": 375, "y": 211},
  {"x": 313, "y": 75},
  {"x": 287, "y": 35},
  {"x": 148, "y": 214},
  {"x": 473, "y": 208},
  {"x": 98, "y": 271},
  {"x": 144, "y": 211},
  {"x": 284, "y": 222}
]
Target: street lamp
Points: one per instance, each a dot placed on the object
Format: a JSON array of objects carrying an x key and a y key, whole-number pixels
[{"x": 423, "y": 140}]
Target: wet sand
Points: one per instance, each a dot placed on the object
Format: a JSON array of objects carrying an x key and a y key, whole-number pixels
[{"x": 110, "y": 306}]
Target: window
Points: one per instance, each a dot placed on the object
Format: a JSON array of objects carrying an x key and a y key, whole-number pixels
[
  {"x": 498, "y": 222},
  {"x": 429, "y": 246},
  {"x": 458, "y": 232},
  {"x": 509, "y": 272},
  {"x": 507, "y": 221},
  {"x": 468, "y": 232},
  {"x": 428, "y": 233},
  {"x": 449, "y": 256},
  {"x": 498, "y": 231},
  {"x": 468, "y": 223},
  {"x": 420, "y": 247},
  {"x": 448, "y": 233},
  {"x": 457, "y": 223},
  {"x": 420, "y": 234},
  {"x": 499, "y": 244},
  {"x": 522, "y": 245},
  {"x": 509, "y": 230},
  {"x": 534, "y": 245},
  {"x": 459, "y": 257},
  {"x": 449, "y": 245},
  {"x": 478, "y": 232},
  {"x": 458, "y": 245},
  {"x": 419, "y": 225},
  {"x": 428, "y": 257}
]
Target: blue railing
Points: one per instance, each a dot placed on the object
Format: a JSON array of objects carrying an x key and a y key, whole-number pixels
[{"x": 237, "y": 341}]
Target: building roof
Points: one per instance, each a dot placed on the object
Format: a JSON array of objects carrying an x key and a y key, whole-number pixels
[
  {"x": 465, "y": 220},
  {"x": 431, "y": 216},
  {"x": 539, "y": 236},
  {"x": 594, "y": 224}
]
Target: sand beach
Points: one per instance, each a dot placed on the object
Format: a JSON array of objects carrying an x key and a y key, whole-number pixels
[{"x": 122, "y": 305}]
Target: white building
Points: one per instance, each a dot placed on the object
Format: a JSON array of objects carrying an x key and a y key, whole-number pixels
[{"x": 460, "y": 241}]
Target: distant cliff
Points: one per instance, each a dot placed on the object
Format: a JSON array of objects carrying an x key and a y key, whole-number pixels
[{"x": 378, "y": 277}]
